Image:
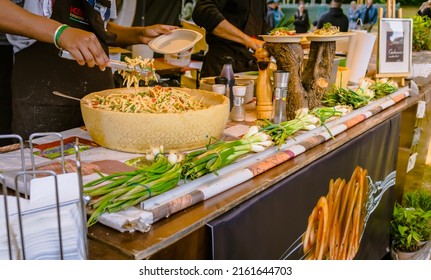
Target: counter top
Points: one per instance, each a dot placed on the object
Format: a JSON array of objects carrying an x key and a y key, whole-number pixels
[{"x": 107, "y": 243}]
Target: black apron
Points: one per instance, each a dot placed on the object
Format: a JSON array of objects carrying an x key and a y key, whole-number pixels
[
  {"x": 244, "y": 60},
  {"x": 6, "y": 63},
  {"x": 38, "y": 71}
]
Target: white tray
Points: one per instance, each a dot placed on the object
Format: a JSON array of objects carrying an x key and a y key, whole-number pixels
[{"x": 328, "y": 38}]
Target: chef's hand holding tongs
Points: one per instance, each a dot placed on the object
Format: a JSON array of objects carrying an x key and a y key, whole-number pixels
[{"x": 120, "y": 65}]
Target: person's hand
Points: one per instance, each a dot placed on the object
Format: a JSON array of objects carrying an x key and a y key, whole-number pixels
[
  {"x": 84, "y": 47},
  {"x": 254, "y": 43},
  {"x": 424, "y": 6},
  {"x": 148, "y": 33}
]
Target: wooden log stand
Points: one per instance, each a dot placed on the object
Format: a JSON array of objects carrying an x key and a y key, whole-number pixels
[{"x": 306, "y": 86}]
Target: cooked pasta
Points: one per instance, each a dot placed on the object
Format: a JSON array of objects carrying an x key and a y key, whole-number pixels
[
  {"x": 133, "y": 77},
  {"x": 155, "y": 100},
  {"x": 327, "y": 29},
  {"x": 282, "y": 31}
]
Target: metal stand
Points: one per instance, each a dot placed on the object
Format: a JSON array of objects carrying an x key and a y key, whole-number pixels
[{"x": 16, "y": 239}]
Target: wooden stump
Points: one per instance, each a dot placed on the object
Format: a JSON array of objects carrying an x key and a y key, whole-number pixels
[
  {"x": 306, "y": 87},
  {"x": 290, "y": 57},
  {"x": 317, "y": 72}
]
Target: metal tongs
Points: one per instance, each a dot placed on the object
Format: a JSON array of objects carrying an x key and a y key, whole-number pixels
[{"x": 120, "y": 65}]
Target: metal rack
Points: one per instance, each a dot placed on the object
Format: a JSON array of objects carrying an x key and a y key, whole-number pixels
[{"x": 17, "y": 220}]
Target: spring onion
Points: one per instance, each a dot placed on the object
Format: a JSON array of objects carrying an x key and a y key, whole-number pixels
[
  {"x": 122, "y": 190},
  {"x": 281, "y": 131},
  {"x": 222, "y": 153}
]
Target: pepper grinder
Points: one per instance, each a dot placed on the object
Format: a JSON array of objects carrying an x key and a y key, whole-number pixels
[
  {"x": 281, "y": 80},
  {"x": 263, "y": 85}
]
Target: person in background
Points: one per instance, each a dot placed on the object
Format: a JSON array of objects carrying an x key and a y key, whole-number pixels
[
  {"x": 424, "y": 9},
  {"x": 302, "y": 21},
  {"x": 232, "y": 28},
  {"x": 354, "y": 15},
  {"x": 334, "y": 16},
  {"x": 81, "y": 27},
  {"x": 274, "y": 13},
  {"x": 368, "y": 15}
]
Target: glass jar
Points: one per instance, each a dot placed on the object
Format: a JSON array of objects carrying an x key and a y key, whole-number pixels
[{"x": 237, "y": 113}]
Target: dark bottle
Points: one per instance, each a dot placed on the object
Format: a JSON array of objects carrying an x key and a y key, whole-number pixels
[{"x": 227, "y": 72}]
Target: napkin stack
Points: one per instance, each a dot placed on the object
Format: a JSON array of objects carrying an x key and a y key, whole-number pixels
[{"x": 41, "y": 237}]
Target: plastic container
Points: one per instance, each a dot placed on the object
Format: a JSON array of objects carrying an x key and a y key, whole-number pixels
[{"x": 179, "y": 59}]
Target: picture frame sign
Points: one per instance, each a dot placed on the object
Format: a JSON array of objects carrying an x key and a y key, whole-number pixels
[{"x": 395, "y": 46}]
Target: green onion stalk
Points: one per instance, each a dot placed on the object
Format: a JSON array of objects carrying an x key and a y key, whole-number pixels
[
  {"x": 383, "y": 87},
  {"x": 346, "y": 96},
  {"x": 280, "y": 132},
  {"x": 222, "y": 153},
  {"x": 123, "y": 190},
  {"x": 327, "y": 113}
]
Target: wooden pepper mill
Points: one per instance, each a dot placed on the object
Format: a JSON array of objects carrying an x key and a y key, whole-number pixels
[{"x": 263, "y": 85}]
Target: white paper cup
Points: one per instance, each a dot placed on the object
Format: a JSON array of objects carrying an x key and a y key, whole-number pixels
[{"x": 219, "y": 88}]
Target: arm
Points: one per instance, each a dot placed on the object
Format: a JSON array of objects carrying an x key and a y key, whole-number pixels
[
  {"x": 424, "y": 11},
  {"x": 228, "y": 31},
  {"x": 357, "y": 14},
  {"x": 207, "y": 15},
  {"x": 362, "y": 13},
  {"x": 127, "y": 36},
  {"x": 83, "y": 46},
  {"x": 304, "y": 20},
  {"x": 374, "y": 16},
  {"x": 319, "y": 24}
]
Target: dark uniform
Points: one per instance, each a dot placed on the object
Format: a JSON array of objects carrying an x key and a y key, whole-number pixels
[
  {"x": 302, "y": 22},
  {"x": 38, "y": 71},
  {"x": 6, "y": 58},
  {"x": 247, "y": 15},
  {"x": 336, "y": 17}
]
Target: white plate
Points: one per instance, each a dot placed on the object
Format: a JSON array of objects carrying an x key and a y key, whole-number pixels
[
  {"x": 328, "y": 38},
  {"x": 178, "y": 41},
  {"x": 283, "y": 39}
]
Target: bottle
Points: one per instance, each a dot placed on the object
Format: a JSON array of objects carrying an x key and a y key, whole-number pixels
[
  {"x": 281, "y": 80},
  {"x": 227, "y": 72},
  {"x": 238, "y": 110}
]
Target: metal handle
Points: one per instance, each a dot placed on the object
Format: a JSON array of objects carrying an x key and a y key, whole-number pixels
[
  {"x": 112, "y": 63},
  {"x": 66, "y": 96}
]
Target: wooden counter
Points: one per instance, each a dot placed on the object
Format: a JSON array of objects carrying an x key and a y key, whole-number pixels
[{"x": 184, "y": 235}]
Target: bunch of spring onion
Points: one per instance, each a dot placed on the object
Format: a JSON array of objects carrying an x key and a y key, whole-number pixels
[
  {"x": 347, "y": 96},
  {"x": 123, "y": 190},
  {"x": 222, "y": 153},
  {"x": 280, "y": 132},
  {"x": 328, "y": 113},
  {"x": 383, "y": 87}
]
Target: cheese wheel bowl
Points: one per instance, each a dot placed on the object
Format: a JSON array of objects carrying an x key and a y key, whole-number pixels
[{"x": 138, "y": 132}]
